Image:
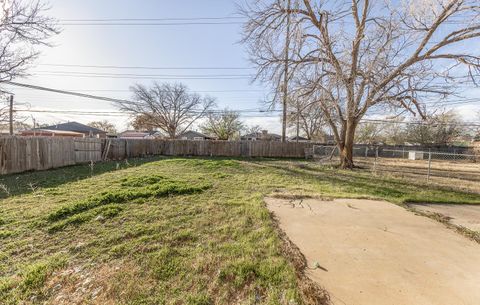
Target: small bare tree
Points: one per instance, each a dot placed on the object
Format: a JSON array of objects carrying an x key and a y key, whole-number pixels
[
  {"x": 369, "y": 133},
  {"x": 169, "y": 107},
  {"x": 103, "y": 125},
  {"x": 253, "y": 129},
  {"x": 441, "y": 129},
  {"x": 142, "y": 122},
  {"x": 4, "y": 111},
  {"x": 23, "y": 26},
  {"x": 358, "y": 57},
  {"x": 224, "y": 126},
  {"x": 306, "y": 116}
]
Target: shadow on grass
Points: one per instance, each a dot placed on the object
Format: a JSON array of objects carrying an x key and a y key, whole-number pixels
[{"x": 24, "y": 183}]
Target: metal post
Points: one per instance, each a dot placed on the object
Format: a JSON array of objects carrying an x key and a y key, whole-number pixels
[
  {"x": 11, "y": 115},
  {"x": 366, "y": 152},
  {"x": 429, "y": 164}
]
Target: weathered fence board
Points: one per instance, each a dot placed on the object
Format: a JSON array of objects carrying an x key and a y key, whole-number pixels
[
  {"x": 88, "y": 150},
  {"x": 121, "y": 148},
  {"x": 25, "y": 154},
  {"x": 19, "y": 154}
]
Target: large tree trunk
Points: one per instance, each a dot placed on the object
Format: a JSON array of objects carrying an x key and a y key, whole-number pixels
[{"x": 346, "y": 149}]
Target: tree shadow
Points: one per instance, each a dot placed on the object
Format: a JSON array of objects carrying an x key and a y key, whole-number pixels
[
  {"x": 28, "y": 182},
  {"x": 380, "y": 187}
]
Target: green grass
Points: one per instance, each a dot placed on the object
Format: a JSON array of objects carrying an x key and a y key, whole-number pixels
[{"x": 167, "y": 230}]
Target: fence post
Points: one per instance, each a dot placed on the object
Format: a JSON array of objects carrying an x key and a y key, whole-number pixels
[
  {"x": 366, "y": 152},
  {"x": 375, "y": 162},
  {"x": 429, "y": 164}
]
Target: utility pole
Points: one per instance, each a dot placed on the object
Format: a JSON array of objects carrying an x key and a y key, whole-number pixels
[
  {"x": 11, "y": 115},
  {"x": 34, "y": 126},
  {"x": 285, "y": 75}
]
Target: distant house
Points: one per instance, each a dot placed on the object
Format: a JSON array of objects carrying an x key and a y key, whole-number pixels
[
  {"x": 261, "y": 136},
  {"x": 298, "y": 139},
  {"x": 134, "y": 134},
  {"x": 51, "y": 133},
  {"x": 194, "y": 135},
  {"x": 70, "y": 129}
]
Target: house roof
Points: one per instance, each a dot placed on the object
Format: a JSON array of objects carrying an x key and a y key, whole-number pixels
[
  {"x": 136, "y": 134},
  {"x": 51, "y": 132},
  {"x": 73, "y": 126},
  {"x": 194, "y": 134},
  {"x": 300, "y": 138},
  {"x": 259, "y": 135}
]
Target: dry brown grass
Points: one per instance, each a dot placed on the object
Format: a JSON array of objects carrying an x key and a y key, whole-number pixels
[{"x": 461, "y": 175}]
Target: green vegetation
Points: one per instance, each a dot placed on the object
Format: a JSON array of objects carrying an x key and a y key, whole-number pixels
[{"x": 167, "y": 230}]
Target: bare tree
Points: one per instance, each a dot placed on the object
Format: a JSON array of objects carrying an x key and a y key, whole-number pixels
[
  {"x": 4, "y": 110},
  {"x": 224, "y": 126},
  {"x": 253, "y": 129},
  {"x": 369, "y": 133},
  {"x": 441, "y": 129},
  {"x": 103, "y": 125},
  {"x": 307, "y": 117},
  {"x": 359, "y": 57},
  {"x": 169, "y": 107},
  {"x": 142, "y": 122},
  {"x": 23, "y": 26}
]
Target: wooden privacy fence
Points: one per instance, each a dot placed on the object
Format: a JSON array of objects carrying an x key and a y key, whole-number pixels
[
  {"x": 119, "y": 149},
  {"x": 20, "y": 154}
]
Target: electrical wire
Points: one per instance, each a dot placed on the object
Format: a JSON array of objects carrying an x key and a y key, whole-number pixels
[
  {"x": 140, "y": 77},
  {"x": 143, "y": 75},
  {"x": 145, "y": 67},
  {"x": 152, "y": 19},
  {"x": 145, "y": 23}
]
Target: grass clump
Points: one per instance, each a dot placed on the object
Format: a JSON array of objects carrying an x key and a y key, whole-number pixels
[
  {"x": 165, "y": 264},
  {"x": 143, "y": 181},
  {"x": 6, "y": 233},
  {"x": 105, "y": 212},
  {"x": 156, "y": 188}
]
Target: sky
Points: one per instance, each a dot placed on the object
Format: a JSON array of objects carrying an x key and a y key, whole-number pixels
[
  {"x": 172, "y": 46},
  {"x": 168, "y": 46}
]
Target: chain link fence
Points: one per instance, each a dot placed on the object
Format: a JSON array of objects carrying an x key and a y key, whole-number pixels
[{"x": 452, "y": 169}]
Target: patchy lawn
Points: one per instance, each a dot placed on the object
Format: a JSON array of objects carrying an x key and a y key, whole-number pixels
[{"x": 166, "y": 230}]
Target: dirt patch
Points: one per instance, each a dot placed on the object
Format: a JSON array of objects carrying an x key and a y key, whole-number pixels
[
  {"x": 368, "y": 252},
  {"x": 102, "y": 284},
  {"x": 463, "y": 215}
]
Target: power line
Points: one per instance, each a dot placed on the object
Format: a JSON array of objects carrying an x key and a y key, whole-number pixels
[
  {"x": 379, "y": 121},
  {"x": 90, "y": 96},
  {"x": 126, "y": 90},
  {"x": 126, "y": 112},
  {"x": 152, "y": 19},
  {"x": 146, "y": 24},
  {"x": 144, "y": 75},
  {"x": 145, "y": 67}
]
